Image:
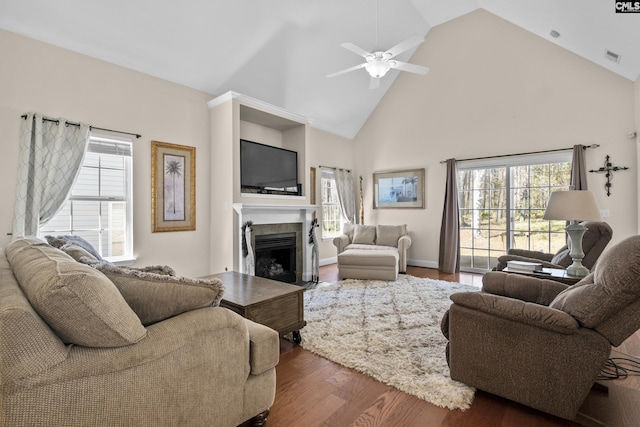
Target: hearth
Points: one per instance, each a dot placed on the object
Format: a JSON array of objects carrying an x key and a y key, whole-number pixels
[{"x": 275, "y": 256}]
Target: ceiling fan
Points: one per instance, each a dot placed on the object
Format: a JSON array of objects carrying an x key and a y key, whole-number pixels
[{"x": 378, "y": 63}]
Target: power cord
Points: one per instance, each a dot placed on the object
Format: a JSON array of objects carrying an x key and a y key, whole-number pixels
[{"x": 619, "y": 368}]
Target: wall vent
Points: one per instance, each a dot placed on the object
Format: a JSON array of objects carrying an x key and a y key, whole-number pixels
[{"x": 612, "y": 56}]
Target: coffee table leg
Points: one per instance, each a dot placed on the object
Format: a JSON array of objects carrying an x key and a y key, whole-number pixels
[{"x": 297, "y": 338}]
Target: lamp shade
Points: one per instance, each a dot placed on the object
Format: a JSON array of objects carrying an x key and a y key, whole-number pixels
[{"x": 576, "y": 205}]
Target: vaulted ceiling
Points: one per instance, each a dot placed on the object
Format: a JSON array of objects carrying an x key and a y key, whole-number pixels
[{"x": 280, "y": 51}]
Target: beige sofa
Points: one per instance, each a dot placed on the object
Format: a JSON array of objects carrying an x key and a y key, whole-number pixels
[
  {"x": 75, "y": 352},
  {"x": 372, "y": 251}
]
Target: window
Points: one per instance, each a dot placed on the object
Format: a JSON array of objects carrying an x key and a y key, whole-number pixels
[
  {"x": 502, "y": 207},
  {"x": 100, "y": 208},
  {"x": 331, "y": 212}
]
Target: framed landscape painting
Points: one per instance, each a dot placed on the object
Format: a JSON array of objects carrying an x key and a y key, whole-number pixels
[
  {"x": 173, "y": 187},
  {"x": 398, "y": 189}
]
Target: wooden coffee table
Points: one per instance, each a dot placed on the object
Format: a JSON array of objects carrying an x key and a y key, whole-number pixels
[{"x": 277, "y": 305}]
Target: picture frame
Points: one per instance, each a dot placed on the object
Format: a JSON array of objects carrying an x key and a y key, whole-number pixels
[
  {"x": 399, "y": 189},
  {"x": 173, "y": 187}
]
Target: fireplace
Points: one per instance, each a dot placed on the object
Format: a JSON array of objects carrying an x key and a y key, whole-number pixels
[
  {"x": 277, "y": 219},
  {"x": 275, "y": 256}
]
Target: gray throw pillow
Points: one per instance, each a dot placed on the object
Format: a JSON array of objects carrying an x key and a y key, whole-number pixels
[
  {"x": 60, "y": 241},
  {"x": 78, "y": 302},
  {"x": 364, "y": 234},
  {"x": 388, "y": 235},
  {"x": 156, "y": 297}
]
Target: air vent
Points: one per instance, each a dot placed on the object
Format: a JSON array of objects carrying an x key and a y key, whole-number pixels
[{"x": 612, "y": 56}]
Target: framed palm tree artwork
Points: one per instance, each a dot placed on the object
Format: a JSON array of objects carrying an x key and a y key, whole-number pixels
[
  {"x": 173, "y": 187},
  {"x": 398, "y": 189}
]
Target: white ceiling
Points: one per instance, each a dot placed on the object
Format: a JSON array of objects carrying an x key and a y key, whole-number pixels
[{"x": 279, "y": 51}]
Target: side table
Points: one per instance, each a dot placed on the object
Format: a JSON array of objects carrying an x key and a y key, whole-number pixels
[
  {"x": 277, "y": 305},
  {"x": 557, "y": 274}
]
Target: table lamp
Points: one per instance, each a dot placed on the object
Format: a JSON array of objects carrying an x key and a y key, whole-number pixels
[{"x": 574, "y": 206}]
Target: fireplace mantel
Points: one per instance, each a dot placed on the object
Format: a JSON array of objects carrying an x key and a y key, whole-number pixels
[{"x": 259, "y": 213}]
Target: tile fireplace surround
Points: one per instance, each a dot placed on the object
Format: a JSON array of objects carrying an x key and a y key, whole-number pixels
[{"x": 261, "y": 214}]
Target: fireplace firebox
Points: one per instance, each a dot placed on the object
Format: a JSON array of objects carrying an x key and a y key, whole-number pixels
[{"x": 275, "y": 256}]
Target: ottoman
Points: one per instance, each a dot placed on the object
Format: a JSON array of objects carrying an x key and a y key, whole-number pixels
[{"x": 381, "y": 264}]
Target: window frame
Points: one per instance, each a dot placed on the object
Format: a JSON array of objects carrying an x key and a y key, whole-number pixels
[
  {"x": 507, "y": 163},
  {"x": 329, "y": 174},
  {"x": 119, "y": 144}
]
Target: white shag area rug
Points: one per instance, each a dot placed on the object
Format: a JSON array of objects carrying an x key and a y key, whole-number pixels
[{"x": 389, "y": 331}]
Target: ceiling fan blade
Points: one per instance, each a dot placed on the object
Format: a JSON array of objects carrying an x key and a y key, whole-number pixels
[
  {"x": 412, "y": 68},
  {"x": 374, "y": 83},
  {"x": 356, "y": 49},
  {"x": 412, "y": 41},
  {"x": 356, "y": 67}
]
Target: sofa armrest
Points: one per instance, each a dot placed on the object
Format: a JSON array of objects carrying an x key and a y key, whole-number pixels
[
  {"x": 518, "y": 311},
  {"x": 264, "y": 347},
  {"x": 522, "y": 287},
  {"x": 225, "y": 330},
  {"x": 198, "y": 359},
  {"x": 404, "y": 242},
  {"x": 542, "y": 256},
  {"x": 341, "y": 242}
]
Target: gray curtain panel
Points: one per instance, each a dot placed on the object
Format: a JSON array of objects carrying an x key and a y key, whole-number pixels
[
  {"x": 346, "y": 194},
  {"x": 578, "y": 168},
  {"x": 449, "y": 256},
  {"x": 50, "y": 156}
]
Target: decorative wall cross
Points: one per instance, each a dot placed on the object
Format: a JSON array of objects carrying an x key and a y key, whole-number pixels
[{"x": 609, "y": 169}]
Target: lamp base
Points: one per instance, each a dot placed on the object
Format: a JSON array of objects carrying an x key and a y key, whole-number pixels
[
  {"x": 577, "y": 270},
  {"x": 575, "y": 231}
]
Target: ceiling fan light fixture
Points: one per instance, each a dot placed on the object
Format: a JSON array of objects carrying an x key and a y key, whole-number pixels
[{"x": 377, "y": 69}]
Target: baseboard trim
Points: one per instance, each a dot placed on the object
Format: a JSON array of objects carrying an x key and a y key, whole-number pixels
[{"x": 420, "y": 263}]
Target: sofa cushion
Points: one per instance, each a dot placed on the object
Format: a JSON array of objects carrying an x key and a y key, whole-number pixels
[
  {"x": 364, "y": 234},
  {"x": 364, "y": 257},
  {"x": 614, "y": 284},
  {"x": 388, "y": 235},
  {"x": 155, "y": 297},
  {"x": 78, "y": 302}
]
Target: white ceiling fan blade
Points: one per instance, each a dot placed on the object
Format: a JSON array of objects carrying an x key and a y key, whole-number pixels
[
  {"x": 356, "y": 49},
  {"x": 412, "y": 41},
  {"x": 374, "y": 83},
  {"x": 412, "y": 68},
  {"x": 356, "y": 67}
]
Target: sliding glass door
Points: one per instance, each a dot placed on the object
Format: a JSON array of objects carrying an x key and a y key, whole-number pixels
[{"x": 502, "y": 203}]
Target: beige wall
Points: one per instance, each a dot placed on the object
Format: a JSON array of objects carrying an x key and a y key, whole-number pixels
[
  {"x": 334, "y": 151},
  {"x": 496, "y": 89},
  {"x": 492, "y": 89},
  {"x": 38, "y": 77}
]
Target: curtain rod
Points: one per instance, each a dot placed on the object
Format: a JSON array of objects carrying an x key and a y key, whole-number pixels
[
  {"x": 523, "y": 154},
  {"x": 331, "y": 167},
  {"x": 91, "y": 127}
]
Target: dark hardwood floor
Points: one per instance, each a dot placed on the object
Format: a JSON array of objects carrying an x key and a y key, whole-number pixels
[{"x": 313, "y": 391}]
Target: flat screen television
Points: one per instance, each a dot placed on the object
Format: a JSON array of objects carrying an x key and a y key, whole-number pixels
[{"x": 268, "y": 169}]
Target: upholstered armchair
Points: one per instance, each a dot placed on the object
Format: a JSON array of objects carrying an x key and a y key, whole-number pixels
[
  {"x": 595, "y": 239},
  {"x": 542, "y": 343}
]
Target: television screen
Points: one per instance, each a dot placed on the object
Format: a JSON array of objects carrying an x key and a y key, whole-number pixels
[{"x": 265, "y": 167}]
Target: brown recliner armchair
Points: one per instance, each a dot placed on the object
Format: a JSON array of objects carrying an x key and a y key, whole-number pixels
[
  {"x": 594, "y": 241},
  {"x": 542, "y": 343}
]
